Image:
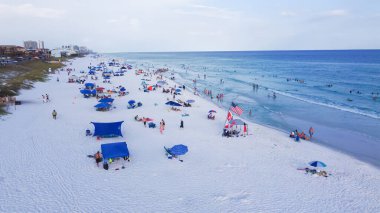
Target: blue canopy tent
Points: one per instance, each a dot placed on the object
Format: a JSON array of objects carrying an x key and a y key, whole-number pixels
[
  {"x": 89, "y": 85},
  {"x": 114, "y": 150},
  {"x": 106, "y": 130},
  {"x": 106, "y": 100}
]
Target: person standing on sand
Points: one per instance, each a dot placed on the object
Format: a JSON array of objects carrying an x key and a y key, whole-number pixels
[
  {"x": 98, "y": 158},
  {"x": 163, "y": 124},
  {"x": 181, "y": 125},
  {"x": 161, "y": 127},
  {"x": 47, "y": 98},
  {"x": 311, "y": 132},
  {"x": 54, "y": 113},
  {"x": 245, "y": 129}
]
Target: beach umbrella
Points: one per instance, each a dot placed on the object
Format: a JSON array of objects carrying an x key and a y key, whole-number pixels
[
  {"x": 85, "y": 92},
  {"x": 102, "y": 105},
  {"x": 89, "y": 85},
  {"x": 212, "y": 111},
  {"x": 179, "y": 149},
  {"x": 131, "y": 102},
  {"x": 172, "y": 103},
  {"x": 317, "y": 164},
  {"x": 106, "y": 100},
  {"x": 177, "y": 90},
  {"x": 122, "y": 89},
  {"x": 190, "y": 101}
]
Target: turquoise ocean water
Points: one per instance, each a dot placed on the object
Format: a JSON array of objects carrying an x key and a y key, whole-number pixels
[{"x": 336, "y": 92}]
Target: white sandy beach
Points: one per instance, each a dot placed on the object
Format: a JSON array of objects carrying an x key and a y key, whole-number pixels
[{"x": 44, "y": 165}]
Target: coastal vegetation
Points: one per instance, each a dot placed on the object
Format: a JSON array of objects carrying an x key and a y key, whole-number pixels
[{"x": 14, "y": 77}]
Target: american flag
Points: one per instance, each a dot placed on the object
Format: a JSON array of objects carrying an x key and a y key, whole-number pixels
[{"x": 236, "y": 109}]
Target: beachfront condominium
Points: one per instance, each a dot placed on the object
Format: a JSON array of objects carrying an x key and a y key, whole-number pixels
[{"x": 30, "y": 45}]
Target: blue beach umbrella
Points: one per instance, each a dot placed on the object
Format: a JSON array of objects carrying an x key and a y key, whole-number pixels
[
  {"x": 190, "y": 101},
  {"x": 177, "y": 90},
  {"x": 131, "y": 102},
  {"x": 179, "y": 149},
  {"x": 106, "y": 100},
  {"x": 102, "y": 105},
  {"x": 172, "y": 103},
  {"x": 122, "y": 89},
  {"x": 317, "y": 164},
  {"x": 212, "y": 111},
  {"x": 89, "y": 85},
  {"x": 85, "y": 92}
]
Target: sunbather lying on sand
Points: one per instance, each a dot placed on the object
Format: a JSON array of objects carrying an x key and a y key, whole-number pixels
[
  {"x": 137, "y": 118},
  {"x": 175, "y": 109}
]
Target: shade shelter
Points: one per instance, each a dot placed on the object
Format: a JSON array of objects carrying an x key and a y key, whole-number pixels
[
  {"x": 89, "y": 85},
  {"x": 106, "y": 100},
  {"x": 173, "y": 103},
  {"x": 103, "y": 106},
  {"x": 114, "y": 150},
  {"x": 106, "y": 130}
]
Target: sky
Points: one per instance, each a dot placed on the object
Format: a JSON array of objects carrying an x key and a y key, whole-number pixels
[{"x": 193, "y": 25}]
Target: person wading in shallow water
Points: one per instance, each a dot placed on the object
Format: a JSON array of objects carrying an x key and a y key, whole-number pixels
[{"x": 311, "y": 132}]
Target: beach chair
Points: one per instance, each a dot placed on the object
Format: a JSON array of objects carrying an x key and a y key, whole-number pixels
[
  {"x": 88, "y": 132},
  {"x": 168, "y": 154}
]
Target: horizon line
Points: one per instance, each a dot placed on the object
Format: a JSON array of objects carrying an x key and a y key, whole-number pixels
[{"x": 193, "y": 51}]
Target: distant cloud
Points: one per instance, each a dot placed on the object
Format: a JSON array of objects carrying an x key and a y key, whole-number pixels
[
  {"x": 207, "y": 11},
  {"x": 288, "y": 13},
  {"x": 29, "y": 10},
  {"x": 334, "y": 13}
]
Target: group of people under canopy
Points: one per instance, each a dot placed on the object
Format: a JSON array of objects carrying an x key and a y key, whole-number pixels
[{"x": 235, "y": 128}]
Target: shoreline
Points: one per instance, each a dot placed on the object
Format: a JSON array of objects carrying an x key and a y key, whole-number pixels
[
  {"x": 247, "y": 174},
  {"x": 324, "y": 140}
]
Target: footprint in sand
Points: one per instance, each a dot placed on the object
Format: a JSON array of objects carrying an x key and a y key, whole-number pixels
[{"x": 239, "y": 197}]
